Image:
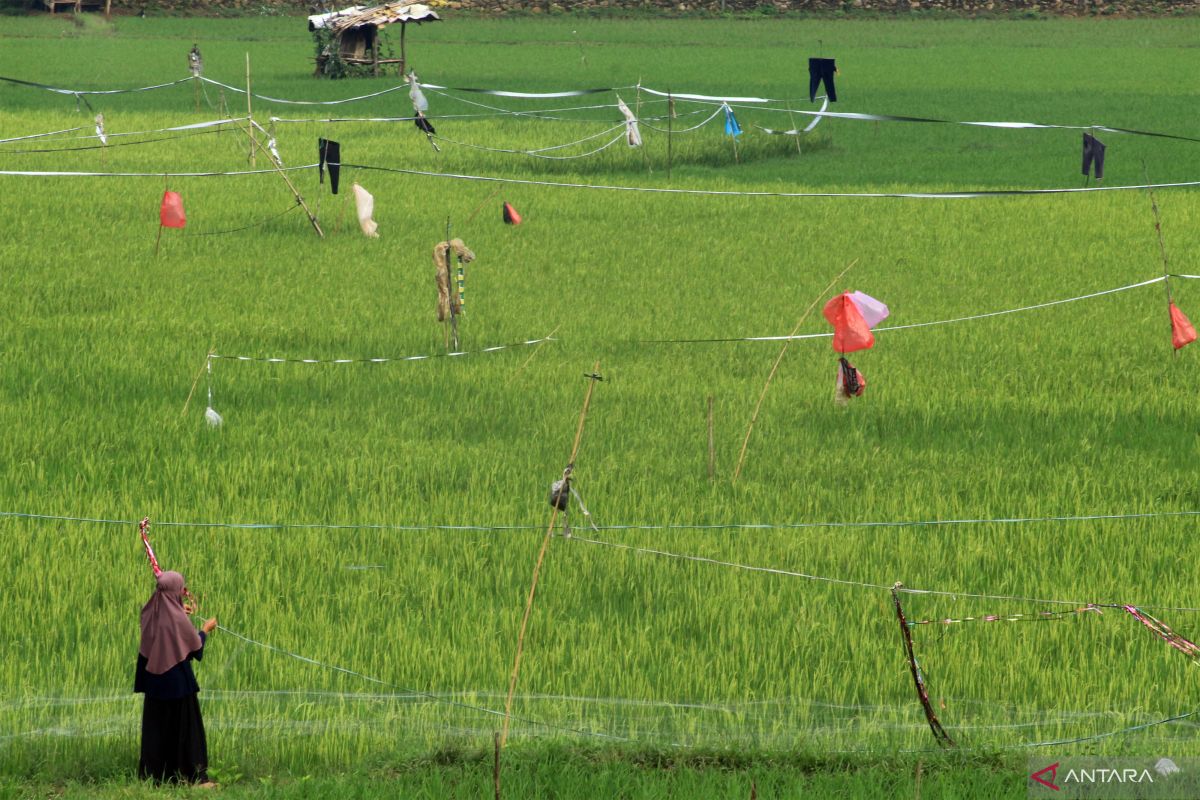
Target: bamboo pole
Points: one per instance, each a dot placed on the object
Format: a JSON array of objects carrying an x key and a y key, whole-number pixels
[
  {"x": 496, "y": 763},
  {"x": 250, "y": 115},
  {"x": 403, "y": 57},
  {"x": 537, "y": 567},
  {"x": 200, "y": 374},
  {"x": 670, "y": 128},
  {"x": 712, "y": 454},
  {"x": 783, "y": 351},
  {"x": 939, "y": 733},
  {"x": 295, "y": 192},
  {"x": 1162, "y": 247}
]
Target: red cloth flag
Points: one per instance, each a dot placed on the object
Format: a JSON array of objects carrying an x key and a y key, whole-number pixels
[
  {"x": 171, "y": 214},
  {"x": 1182, "y": 331},
  {"x": 510, "y": 215},
  {"x": 850, "y": 330}
]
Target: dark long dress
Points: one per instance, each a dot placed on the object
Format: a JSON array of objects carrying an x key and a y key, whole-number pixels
[{"x": 174, "y": 747}]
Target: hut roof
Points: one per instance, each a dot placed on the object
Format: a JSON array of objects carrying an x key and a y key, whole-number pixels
[{"x": 375, "y": 16}]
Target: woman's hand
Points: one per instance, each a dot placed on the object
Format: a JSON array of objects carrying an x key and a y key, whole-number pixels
[{"x": 209, "y": 625}]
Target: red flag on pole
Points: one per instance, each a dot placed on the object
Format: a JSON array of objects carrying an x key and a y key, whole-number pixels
[
  {"x": 1182, "y": 331},
  {"x": 171, "y": 214},
  {"x": 850, "y": 330}
]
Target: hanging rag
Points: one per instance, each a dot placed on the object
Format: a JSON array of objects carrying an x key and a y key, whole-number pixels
[
  {"x": 447, "y": 300},
  {"x": 821, "y": 70},
  {"x": 731, "y": 124},
  {"x": 850, "y": 382},
  {"x": 423, "y": 124},
  {"x": 632, "y": 134},
  {"x": 560, "y": 494},
  {"x": 1093, "y": 153},
  {"x": 420, "y": 104},
  {"x": 330, "y": 153},
  {"x": 364, "y": 203},
  {"x": 195, "y": 61},
  {"x": 1182, "y": 330}
]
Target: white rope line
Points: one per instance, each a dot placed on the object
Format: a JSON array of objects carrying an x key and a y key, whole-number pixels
[
  {"x": 410, "y": 118},
  {"x": 440, "y": 698},
  {"x": 306, "y": 102},
  {"x": 973, "y": 195},
  {"x": 94, "y": 136},
  {"x": 510, "y": 112},
  {"x": 527, "y": 95},
  {"x": 695, "y": 127},
  {"x": 78, "y": 92},
  {"x": 454, "y": 354},
  {"x": 541, "y": 153},
  {"x": 39, "y": 135},
  {"x": 793, "y": 132},
  {"x": 1148, "y": 282},
  {"x": 66, "y": 174},
  {"x": 828, "y": 334},
  {"x": 720, "y": 526},
  {"x": 858, "y": 584},
  {"x": 534, "y": 151},
  {"x": 730, "y": 99},
  {"x": 706, "y": 98}
]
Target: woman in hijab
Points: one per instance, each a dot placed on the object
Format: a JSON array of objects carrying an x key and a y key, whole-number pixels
[{"x": 173, "y": 743}]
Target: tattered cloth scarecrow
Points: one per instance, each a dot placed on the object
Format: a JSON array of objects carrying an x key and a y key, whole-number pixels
[{"x": 449, "y": 302}]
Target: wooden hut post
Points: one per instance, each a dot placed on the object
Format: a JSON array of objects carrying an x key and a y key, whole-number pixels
[
  {"x": 403, "y": 28},
  {"x": 375, "y": 51}
]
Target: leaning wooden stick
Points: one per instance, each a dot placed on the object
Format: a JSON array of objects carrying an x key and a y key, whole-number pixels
[
  {"x": 249, "y": 131},
  {"x": 939, "y": 733},
  {"x": 536, "y": 348},
  {"x": 537, "y": 567},
  {"x": 1162, "y": 247},
  {"x": 250, "y": 115},
  {"x": 782, "y": 352},
  {"x": 712, "y": 453},
  {"x": 196, "y": 382}
]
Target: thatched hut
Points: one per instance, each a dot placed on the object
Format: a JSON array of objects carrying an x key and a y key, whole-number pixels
[{"x": 352, "y": 36}]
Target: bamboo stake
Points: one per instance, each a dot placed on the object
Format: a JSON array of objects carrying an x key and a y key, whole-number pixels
[
  {"x": 249, "y": 130},
  {"x": 1162, "y": 247},
  {"x": 712, "y": 455},
  {"x": 199, "y": 375},
  {"x": 670, "y": 130},
  {"x": 496, "y": 763},
  {"x": 454, "y": 307},
  {"x": 479, "y": 207},
  {"x": 536, "y": 348},
  {"x": 792, "y": 118},
  {"x": 250, "y": 114},
  {"x": 939, "y": 733},
  {"x": 637, "y": 114},
  {"x": 783, "y": 351},
  {"x": 537, "y": 567}
]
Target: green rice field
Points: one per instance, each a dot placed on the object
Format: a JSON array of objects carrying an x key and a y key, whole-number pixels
[{"x": 366, "y": 533}]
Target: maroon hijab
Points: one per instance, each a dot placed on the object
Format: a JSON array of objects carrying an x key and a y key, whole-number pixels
[{"x": 167, "y": 634}]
